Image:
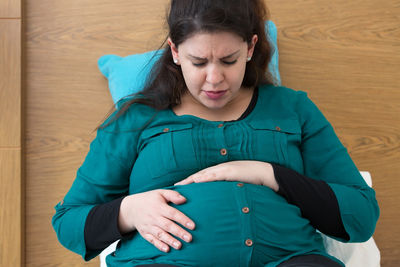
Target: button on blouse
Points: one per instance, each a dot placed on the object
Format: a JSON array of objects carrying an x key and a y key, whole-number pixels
[
  {"x": 245, "y": 210},
  {"x": 249, "y": 242},
  {"x": 223, "y": 151}
]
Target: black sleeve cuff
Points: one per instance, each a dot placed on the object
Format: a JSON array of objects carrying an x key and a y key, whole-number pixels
[
  {"x": 101, "y": 226},
  {"x": 315, "y": 198}
]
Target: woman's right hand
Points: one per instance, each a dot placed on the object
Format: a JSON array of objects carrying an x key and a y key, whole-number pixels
[{"x": 156, "y": 221}]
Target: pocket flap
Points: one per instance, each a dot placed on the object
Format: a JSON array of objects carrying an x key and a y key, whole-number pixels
[
  {"x": 158, "y": 130},
  {"x": 290, "y": 126}
]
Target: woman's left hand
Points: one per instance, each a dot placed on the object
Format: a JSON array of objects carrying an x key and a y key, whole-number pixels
[{"x": 247, "y": 171}]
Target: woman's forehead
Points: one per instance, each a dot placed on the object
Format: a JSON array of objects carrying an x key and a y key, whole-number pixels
[{"x": 219, "y": 44}]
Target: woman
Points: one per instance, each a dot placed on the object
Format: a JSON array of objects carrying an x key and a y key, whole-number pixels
[{"x": 211, "y": 164}]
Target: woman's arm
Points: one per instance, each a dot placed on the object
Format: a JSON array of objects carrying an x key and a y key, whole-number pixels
[
  {"x": 101, "y": 227},
  {"x": 97, "y": 210},
  {"x": 103, "y": 177},
  {"x": 143, "y": 212},
  {"x": 315, "y": 198},
  {"x": 326, "y": 159}
]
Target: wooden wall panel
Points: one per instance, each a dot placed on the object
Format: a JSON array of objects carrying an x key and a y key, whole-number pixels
[
  {"x": 10, "y": 9},
  {"x": 344, "y": 53},
  {"x": 10, "y": 83},
  {"x": 11, "y": 230}
]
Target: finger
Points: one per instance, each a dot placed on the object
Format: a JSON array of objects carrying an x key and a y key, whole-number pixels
[
  {"x": 198, "y": 177},
  {"x": 166, "y": 238},
  {"x": 206, "y": 176},
  {"x": 157, "y": 243},
  {"x": 173, "y": 196},
  {"x": 185, "y": 181},
  {"x": 177, "y": 216},
  {"x": 172, "y": 228},
  {"x": 190, "y": 179}
]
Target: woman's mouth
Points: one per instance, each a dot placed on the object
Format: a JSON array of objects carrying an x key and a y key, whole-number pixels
[{"x": 215, "y": 94}]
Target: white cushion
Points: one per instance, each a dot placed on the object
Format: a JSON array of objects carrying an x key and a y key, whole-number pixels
[{"x": 111, "y": 248}]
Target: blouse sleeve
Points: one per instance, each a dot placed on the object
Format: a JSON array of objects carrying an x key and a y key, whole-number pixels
[
  {"x": 326, "y": 159},
  {"x": 315, "y": 198},
  {"x": 103, "y": 177}
]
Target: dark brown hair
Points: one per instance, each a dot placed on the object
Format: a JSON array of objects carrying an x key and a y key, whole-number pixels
[{"x": 165, "y": 84}]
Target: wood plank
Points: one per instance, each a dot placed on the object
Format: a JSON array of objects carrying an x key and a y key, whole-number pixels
[
  {"x": 10, "y": 9},
  {"x": 10, "y": 83},
  {"x": 11, "y": 246}
]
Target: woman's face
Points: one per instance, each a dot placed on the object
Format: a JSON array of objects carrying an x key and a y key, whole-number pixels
[{"x": 213, "y": 66}]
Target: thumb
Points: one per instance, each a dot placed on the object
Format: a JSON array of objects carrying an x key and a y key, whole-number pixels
[{"x": 173, "y": 196}]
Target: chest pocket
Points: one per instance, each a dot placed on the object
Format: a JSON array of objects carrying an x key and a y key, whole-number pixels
[
  {"x": 277, "y": 141},
  {"x": 167, "y": 149}
]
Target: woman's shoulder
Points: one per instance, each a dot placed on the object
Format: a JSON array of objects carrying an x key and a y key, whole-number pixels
[
  {"x": 280, "y": 96},
  {"x": 285, "y": 102},
  {"x": 280, "y": 91},
  {"x": 129, "y": 117}
]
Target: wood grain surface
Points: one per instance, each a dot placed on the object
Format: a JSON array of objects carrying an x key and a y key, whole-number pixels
[
  {"x": 11, "y": 228},
  {"x": 10, "y": 208},
  {"x": 345, "y": 54},
  {"x": 10, "y": 9},
  {"x": 10, "y": 83}
]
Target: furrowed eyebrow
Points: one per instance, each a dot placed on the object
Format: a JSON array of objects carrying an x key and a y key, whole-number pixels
[{"x": 223, "y": 58}]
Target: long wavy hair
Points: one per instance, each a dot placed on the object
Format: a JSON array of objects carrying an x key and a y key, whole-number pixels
[{"x": 165, "y": 84}]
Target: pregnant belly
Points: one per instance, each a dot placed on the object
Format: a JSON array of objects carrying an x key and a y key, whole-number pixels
[{"x": 235, "y": 222}]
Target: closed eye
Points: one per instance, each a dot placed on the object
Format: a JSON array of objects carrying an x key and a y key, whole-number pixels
[
  {"x": 229, "y": 62},
  {"x": 224, "y": 62},
  {"x": 199, "y": 64}
]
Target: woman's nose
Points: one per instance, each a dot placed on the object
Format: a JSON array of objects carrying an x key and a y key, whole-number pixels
[{"x": 214, "y": 75}]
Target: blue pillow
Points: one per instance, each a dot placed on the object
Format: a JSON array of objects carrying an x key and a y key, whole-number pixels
[{"x": 127, "y": 75}]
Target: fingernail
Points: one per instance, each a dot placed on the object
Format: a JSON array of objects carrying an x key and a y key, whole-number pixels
[
  {"x": 186, "y": 238},
  {"x": 189, "y": 225},
  {"x": 165, "y": 249},
  {"x": 176, "y": 245}
]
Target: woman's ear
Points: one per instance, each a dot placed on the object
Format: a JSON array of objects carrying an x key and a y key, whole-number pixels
[
  {"x": 174, "y": 51},
  {"x": 252, "y": 44}
]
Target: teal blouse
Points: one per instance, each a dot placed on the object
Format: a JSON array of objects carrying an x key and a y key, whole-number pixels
[{"x": 147, "y": 149}]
